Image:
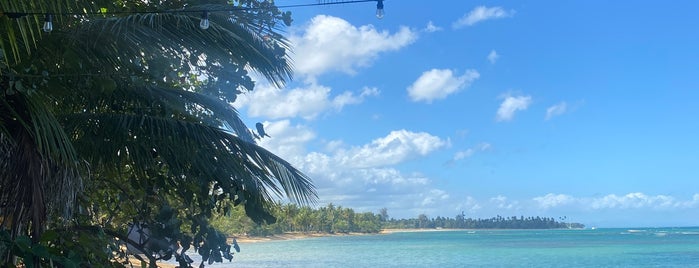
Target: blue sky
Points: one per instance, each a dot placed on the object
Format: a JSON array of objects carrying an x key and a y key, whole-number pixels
[{"x": 536, "y": 108}]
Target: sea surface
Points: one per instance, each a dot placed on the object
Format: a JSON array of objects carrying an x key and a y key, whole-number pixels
[{"x": 656, "y": 247}]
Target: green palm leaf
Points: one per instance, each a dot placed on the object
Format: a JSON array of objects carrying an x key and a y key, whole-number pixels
[
  {"x": 40, "y": 166},
  {"x": 192, "y": 154},
  {"x": 225, "y": 43}
]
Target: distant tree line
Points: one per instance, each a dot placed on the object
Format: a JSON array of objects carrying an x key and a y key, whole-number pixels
[
  {"x": 337, "y": 219},
  {"x": 498, "y": 222},
  {"x": 293, "y": 218}
]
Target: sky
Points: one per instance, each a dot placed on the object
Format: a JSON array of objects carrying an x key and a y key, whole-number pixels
[{"x": 582, "y": 109}]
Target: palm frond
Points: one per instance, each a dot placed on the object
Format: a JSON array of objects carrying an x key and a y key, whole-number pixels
[
  {"x": 190, "y": 151},
  {"x": 178, "y": 34},
  {"x": 40, "y": 171},
  {"x": 20, "y": 36},
  {"x": 221, "y": 111}
]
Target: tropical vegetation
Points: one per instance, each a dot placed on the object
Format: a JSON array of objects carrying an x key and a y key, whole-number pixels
[
  {"x": 328, "y": 219},
  {"x": 117, "y": 136},
  {"x": 497, "y": 222},
  {"x": 332, "y": 219}
]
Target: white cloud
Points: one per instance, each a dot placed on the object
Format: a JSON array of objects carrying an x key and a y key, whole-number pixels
[
  {"x": 481, "y": 147},
  {"x": 553, "y": 200},
  {"x": 502, "y": 202},
  {"x": 307, "y": 102},
  {"x": 464, "y": 154},
  {"x": 333, "y": 44},
  {"x": 431, "y": 197},
  {"x": 556, "y": 110},
  {"x": 348, "y": 97},
  {"x": 470, "y": 205},
  {"x": 493, "y": 56},
  {"x": 396, "y": 147},
  {"x": 482, "y": 13},
  {"x": 363, "y": 176},
  {"x": 287, "y": 140},
  {"x": 440, "y": 83},
  {"x": 510, "y": 105},
  {"x": 431, "y": 28},
  {"x": 635, "y": 200},
  {"x": 689, "y": 204}
]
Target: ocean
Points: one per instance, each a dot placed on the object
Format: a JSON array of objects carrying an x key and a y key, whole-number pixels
[{"x": 656, "y": 247}]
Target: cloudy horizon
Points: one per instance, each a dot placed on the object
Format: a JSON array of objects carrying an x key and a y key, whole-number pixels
[{"x": 476, "y": 110}]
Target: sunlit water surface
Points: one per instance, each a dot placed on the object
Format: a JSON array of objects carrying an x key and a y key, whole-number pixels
[{"x": 661, "y": 247}]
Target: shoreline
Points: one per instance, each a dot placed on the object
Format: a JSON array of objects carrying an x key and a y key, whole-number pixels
[
  {"x": 303, "y": 235},
  {"x": 242, "y": 239},
  {"x": 290, "y": 236},
  {"x": 418, "y": 230}
]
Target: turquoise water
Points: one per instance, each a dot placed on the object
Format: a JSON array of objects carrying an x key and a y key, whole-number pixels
[{"x": 670, "y": 247}]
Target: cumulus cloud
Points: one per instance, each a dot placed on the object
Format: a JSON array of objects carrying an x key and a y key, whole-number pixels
[
  {"x": 510, "y": 105},
  {"x": 333, "y": 44},
  {"x": 635, "y": 200},
  {"x": 690, "y": 203},
  {"x": 306, "y": 101},
  {"x": 348, "y": 97},
  {"x": 431, "y": 28},
  {"x": 470, "y": 205},
  {"x": 481, "y": 147},
  {"x": 482, "y": 13},
  {"x": 363, "y": 176},
  {"x": 556, "y": 110},
  {"x": 440, "y": 83},
  {"x": 503, "y": 202},
  {"x": 396, "y": 147},
  {"x": 434, "y": 195},
  {"x": 493, "y": 56},
  {"x": 288, "y": 140},
  {"x": 373, "y": 188},
  {"x": 553, "y": 200}
]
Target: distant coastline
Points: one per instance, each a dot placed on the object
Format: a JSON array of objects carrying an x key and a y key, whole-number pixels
[
  {"x": 306, "y": 235},
  {"x": 416, "y": 230},
  {"x": 290, "y": 236}
]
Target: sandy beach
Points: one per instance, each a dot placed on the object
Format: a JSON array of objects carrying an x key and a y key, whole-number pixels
[
  {"x": 415, "y": 230},
  {"x": 287, "y": 236},
  {"x": 301, "y": 235}
]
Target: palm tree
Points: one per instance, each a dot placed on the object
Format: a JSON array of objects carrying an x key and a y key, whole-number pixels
[
  {"x": 143, "y": 100},
  {"x": 40, "y": 167}
]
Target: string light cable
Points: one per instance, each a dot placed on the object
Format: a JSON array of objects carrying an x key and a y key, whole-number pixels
[
  {"x": 204, "y": 23},
  {"x": 49, "y": 16}
]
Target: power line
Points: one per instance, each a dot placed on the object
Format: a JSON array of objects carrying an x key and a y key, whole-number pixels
[
  {"x": 16, "y": 15},
  {"x": 204, "y": 23},
  {"x": 48, "y": 24}
]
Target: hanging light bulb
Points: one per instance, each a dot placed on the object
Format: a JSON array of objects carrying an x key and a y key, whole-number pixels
[
  {"x": 48, "y": 23},
  {"x": 204, "y": 24},
  {"x": 379, "y": 9}
]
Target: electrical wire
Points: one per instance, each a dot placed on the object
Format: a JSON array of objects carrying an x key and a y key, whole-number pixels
[{"x": 15, "y": 15}]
